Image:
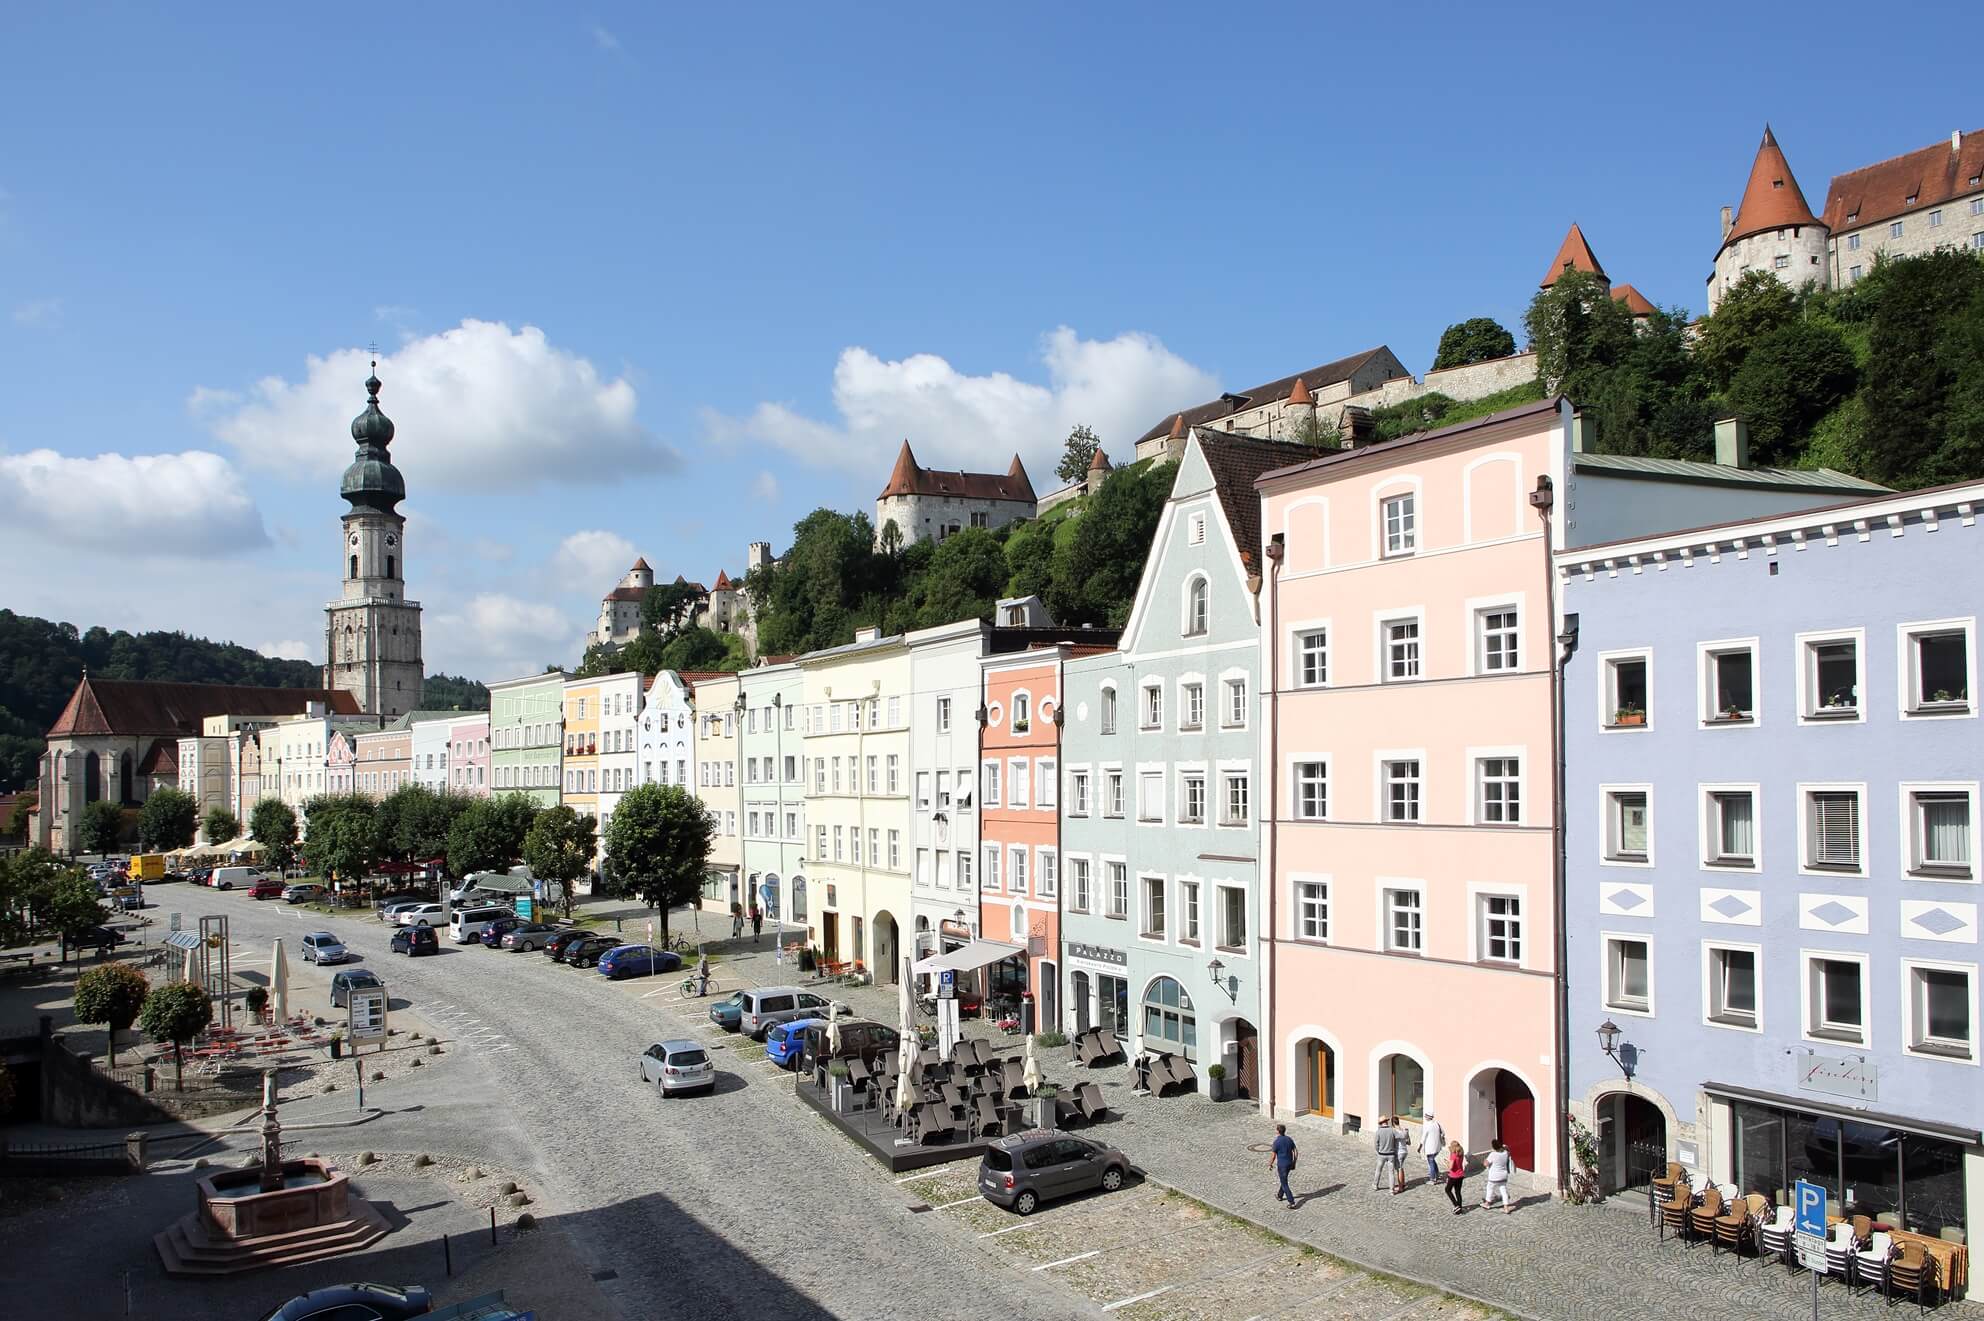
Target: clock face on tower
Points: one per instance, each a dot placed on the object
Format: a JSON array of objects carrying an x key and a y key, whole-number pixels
[
  {"x": 354, "y": 539},
  {"x": 392, "y": 540}
]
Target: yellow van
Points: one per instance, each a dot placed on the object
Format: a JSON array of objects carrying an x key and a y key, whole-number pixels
[{"x": 147, "y": 866}]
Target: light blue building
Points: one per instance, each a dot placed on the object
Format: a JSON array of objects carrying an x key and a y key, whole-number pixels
[
  {"x": 773, "y": 782},
  {"x": 1772, "y": 757}
]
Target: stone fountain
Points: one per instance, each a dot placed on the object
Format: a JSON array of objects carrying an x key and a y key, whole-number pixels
[{"x": 275, "y": 1213}]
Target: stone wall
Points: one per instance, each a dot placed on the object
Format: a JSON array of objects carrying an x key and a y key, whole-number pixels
[{"x": 1802, "y": 248}]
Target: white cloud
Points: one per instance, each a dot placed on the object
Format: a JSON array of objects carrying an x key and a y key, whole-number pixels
[
  {"x": 479, "y": 406},
  {"x": 497, "y": 636},
  {"x": 603, "y": 39},
  {"x": 765, "y": 487},
  {"x": 592, "y": 560},
  {"x": 1118, "y": 386},
  {"x": 288, "y": 649},
  {"x": 192, "y": 503},
  {"x": 37, "y": 311}
]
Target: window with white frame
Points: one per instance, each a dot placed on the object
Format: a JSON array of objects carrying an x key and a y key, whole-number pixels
[
  {"x": 1500, "y": 786},
  {"x": 1049, "y": 879},
  {"x": 895, "y": 774},
  {"x": 1112, "y": 793},
  {"x": 895, "y": 850},
  {"x": 1312, "y": 658},
  {"x": 1401, "y": 649},
  {"x": 1402, "y": 790},
  {"x": 1831, "y": 678},
  {"x": 1731, "y": 827},
  {"x": 1836, "y": 997},
  {"x": 1078, "y": 793},
  {"x": 1078, "y": 885},
  {"x": 943, "y": 715},
  {"x": 923, "y": 791},
  {"x": 1150, "y": 795},
  {"x": 1312, "y": 910},
  {"x": 1192, "y": 703},
  {"x": 1832, "y": 829},
  {"x": 1628, "y": 825},
  {"x": 1628, "y": 975},
  {"x": 1942, "y": 1010},
  {"x": 819, "y": 775},
  {"x": 1733, "y": 986},
  {"x": 1235, "y": 715},
  {"x": 1016, "y": 869},
  {"x": 1106, "y": 701},
  {"x": 1937, "y": 657},
  {"x": 1016, "y": 782},
  {"x": 1236, "y": 792},
  {"x": 993, "y": 871},
  {"x": 964, "y": 789},
  {"x": 1197, "y": 607},
  {"x": 1153, "y": 910},
  {"x": 1188, "y": 912},
  {"x": 1152, "y": 714},
  {"x": 943, "y": 791},
  {"x": 1940, "y": 833},
  {"x": 1401, "y": 519},
  {"x": 895, "y": 712},
  {"x": 840, "y": 843},
  {"x": 874, "y": 845},
  {"x": 1022, "y": 713},
  {"x": 1049, "y": 775},
  {"x": 1232, "y": 918},
  {"x": 1196, "y": 530},
  {"x": 1192, "y": 798},
  {"x": 922, "y": 872},
  {"x": 1118, "y": 876},
  {"x": 1625, "y": 692},
  {"x": 1729, "y": 683},
  {"x": 989, "y": 777},
  {"x": 1500, "y": 933},
  {"x": 1312, "y": 790},
  {"x": 1405, "y": 921},
  {"x": 1496, "y": 633}
]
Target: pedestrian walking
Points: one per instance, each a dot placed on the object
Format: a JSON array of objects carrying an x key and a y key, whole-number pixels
[
  {"x": 1456, "y": 1171},
  {"x": 1386, "y": 1144},
  {"x": 1497, "y": 1166},
  {"x": 1432, "y": 1143},
  {"x": 703, "y": 975},
  {"x": 1281, "y": 1159},
  {"x": 736, "y": 921},
  {"x": 1402, "y": 1149},
  {"x": 757, "y": 924}
]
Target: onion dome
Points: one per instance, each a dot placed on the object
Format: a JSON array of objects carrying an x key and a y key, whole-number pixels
[{"x": 372, "y": 482}]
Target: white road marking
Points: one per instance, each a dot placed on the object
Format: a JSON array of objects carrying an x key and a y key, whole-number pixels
[
  {"x": 1125, "y": 1302},
  {"x": 1010, "y": 1229},
  {"x": 1093, "y": 1252},
  {"x": 912, "y": 1178},
  {"x": 960, "y": 1202}
]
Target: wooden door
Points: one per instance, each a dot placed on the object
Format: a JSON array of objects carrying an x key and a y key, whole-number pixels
[
  {"x": 830, "y": 937},
  {"x": 1247, "y": 1058},
  {"x": 1515, "y": 1117}
]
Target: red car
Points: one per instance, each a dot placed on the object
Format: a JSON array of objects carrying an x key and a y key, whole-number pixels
[{"x": 266, "y": 887}]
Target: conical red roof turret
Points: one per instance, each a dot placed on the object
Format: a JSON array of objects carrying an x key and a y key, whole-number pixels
[
  {"x": 1772, "y": 198},
  {"x": 1574, "y": 254}
]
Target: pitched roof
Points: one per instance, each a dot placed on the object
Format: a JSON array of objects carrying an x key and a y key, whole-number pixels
[
  {"x": 1315, "y": 378},
  {"x": 1100, "y": 462},
  {"x": 1236, "y": 463},
  {"x": 142, "y": 706},
  {"x": 1330, "y": 458},
  {"x": 1772, "y": 198},
  {"x": 1641, "y": 465},
  {"x": 1932, "y": 176},
  {"x": 629, "y": 594},
  {"x": 1636, "y": 302},
  {"x": 722, "y": 581},
  {"x": 162, "y": 758},
  {"x": 641, "y": 565},
  {"x": 1573, "y": 254},
  {"x": 911, "y": 478},
  {"x": 1298, "y": 393}
]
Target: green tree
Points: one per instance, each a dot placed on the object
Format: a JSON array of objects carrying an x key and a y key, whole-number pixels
[
  {"x": 27, "y": 890},
  {"x": 169, "y": 820},
  {"x": 1756, "y": 305},
  {"x": 1925, "y": 400},
  {"x": 1077, "y": 453},
  {"x": 101, "y": 828},
  {"x": 220, "y": 825},
  {"x": 1477, "y": 339},
  {"x": 112, "y": 995},
  {"x": 273, "y": 824},
  {"x": 17, "y": 821},
  {"x": 665, "y": 609},
  {"x": 560, "y": 847},
  {"x": 1315, "y": 433},
  {"x": 965, "y": 574},
  {"x": 488, "y": 834},
  {"x": 421, "y": 821},
  {"x": 176, "y": 1012},
  {"x": 1099, "y": 563},
  {"x": 659, "y": 839},
  {"x": 344, "y": 838},
  {"x": 694, "y": 649},
  {"x": 73, "y": 906},
  {"x": 1788, "y": 383}
]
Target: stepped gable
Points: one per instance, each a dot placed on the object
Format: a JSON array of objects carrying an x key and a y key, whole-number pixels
[
  {"x": 1315, "y": 378},
  {"x": 144, "y": 706},
  {"x": 1772, "y": 198},
  {"x": 909, "y": 477},
  {"x": 1932, "y": 176},
  {"x": 1574, "y": 254}
]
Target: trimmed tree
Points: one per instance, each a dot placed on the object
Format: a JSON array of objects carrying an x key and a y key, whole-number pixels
[
  {"x": 176, "y": 1012},
  {"x": 560, "y": 847},
  {"x": 344, "y": 840},
  {"x": 659, "y": 840},
  {"x": 220, "y": 825},
  {"x": 273, "y": 824},
  {"x": 1477, "y": 339},
  {"x": 112, "y": 995},
  {"x": 101, "y": 828},
  {"x": 168, "y": 820}
]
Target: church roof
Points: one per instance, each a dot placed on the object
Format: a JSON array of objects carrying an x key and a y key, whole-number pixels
[
  {"x": 1771, "y": 199},
  {"x": 1636, "y": 302},
  {"x": 1573, "y": 254},
  {"x": 372, "y": 482},
  {"x": 1330, "y": 373},
  {"x": 1932, "y": 176},
  {"x": 142, "y": 706},
  {"x": 909, "y": 477}
]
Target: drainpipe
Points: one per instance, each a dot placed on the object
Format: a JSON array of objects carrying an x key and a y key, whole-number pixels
[
  {"x": 1270, "y": 710},
  {"x": 1543, "y": 499}
]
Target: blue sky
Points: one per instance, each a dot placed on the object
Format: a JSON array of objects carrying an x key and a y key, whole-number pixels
[{"x": 661, "y": 280}]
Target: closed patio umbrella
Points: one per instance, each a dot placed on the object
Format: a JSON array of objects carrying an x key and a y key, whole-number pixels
[
  {"x": 1030, "y": 1072},
  {"x": 833, "y": 1029},
  {"x": 279, "y": 983}
]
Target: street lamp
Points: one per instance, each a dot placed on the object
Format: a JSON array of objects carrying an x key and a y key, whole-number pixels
[
  {"x": 1218, "y": 973},
  {"x": 1624, "y": 1054}
]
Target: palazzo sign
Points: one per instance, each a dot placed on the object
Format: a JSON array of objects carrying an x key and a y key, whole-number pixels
[
  {"x": 1836, "y": 1075},
  {"x": 1098, "y": 954}
]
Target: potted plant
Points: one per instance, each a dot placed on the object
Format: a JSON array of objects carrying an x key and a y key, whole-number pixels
[
  {"x": 258, "y": 1000},
  {"x": 337, "y": 1043},
  {"x": 1629, "y": 714},
  {"x": 1733, "y": 712},
  {"x": 837, "y": 1084},
  {"x": 1043, "y": 1105},
  {"x": 1222, "y": 1086},
  {"x": 808, "y": 961}
]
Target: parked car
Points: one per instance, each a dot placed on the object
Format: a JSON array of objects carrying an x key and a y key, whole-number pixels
[
  {"x": 351, "y": 979},
  {"x": 728, "y": 1013},
  {"x": 226, "y": 878},
  {"x": 586, "y": 951},
  {"x": 266, "y": 887},
  {"x": 199, "y": 875},
  {"x": 637, "y": 961},
  {"x": 529, "y": 935},
  {"x": 324, "y": 947},
  {"x": 678, "y": 1066},
  {"x": 356, "y": 1302},
  {"x": 559, "y": 946},
  {"x": 492, "y": 934},
  {"x": 778, "y": 1004},
  {"x": 413, "y": 940},
  {"x": 465, "y": 925},
  {"x": 866, "y": 1039},
  {"x": 100, "y": 939},
  {"x": 390, "y": 906},
  {"x": 169, "y": 877},
  {"x": 784, "y": 1041},
  {"x": 422, "y": 914},
  {"x": 302, "y": 892},
  {"x": 1026, "y": 1169}
]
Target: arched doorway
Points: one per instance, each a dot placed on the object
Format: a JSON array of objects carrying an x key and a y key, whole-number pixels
[
  {"x": 1246, "y": 1059},
  {"x": 887, "y": 967},
  {"x": 1500, "y": 1105},
  {"x": 1169, "y": 1021},
  {"x": 1402, "y": 1087},
  {"x": 1632, "y": 1142},
  {"x": 1078, "y": 997},
  {"x": 1315, "y": 1078}
]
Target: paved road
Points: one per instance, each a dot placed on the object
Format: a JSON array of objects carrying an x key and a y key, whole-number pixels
[{"x": 738, "y": 1205}]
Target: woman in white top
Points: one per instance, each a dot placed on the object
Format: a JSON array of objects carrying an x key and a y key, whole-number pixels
[{"x": 1497, "y": 1165}]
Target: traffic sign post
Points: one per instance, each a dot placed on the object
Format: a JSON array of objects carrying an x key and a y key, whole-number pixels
[{"x": 1809, "y": 1212}]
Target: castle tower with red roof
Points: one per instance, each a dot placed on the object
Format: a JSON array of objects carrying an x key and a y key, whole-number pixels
[
  {"x": 1773, "y": 229},
  {"x": 933, "y": 503}
]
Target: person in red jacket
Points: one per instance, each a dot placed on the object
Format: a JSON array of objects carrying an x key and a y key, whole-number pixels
[{"x": 1456, "y": 1171}]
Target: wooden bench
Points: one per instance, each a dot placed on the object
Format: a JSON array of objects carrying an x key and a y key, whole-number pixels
[{"x": 831, "y": 971}]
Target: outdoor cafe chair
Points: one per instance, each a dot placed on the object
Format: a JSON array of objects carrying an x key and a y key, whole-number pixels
[
  {"x": 1870, "y": 1263},
  {"x": 1675, "y": 1210},
  {"x": 1840, "y": 1248},
  {"x": 1701, "y": 1220},
  {"x": 1777, "y": 1235},
  {"x": 1088, "y": 1097},
  {"x": 1739, "y": 1225},
  {"x": 1914, "y": 1270},
  {"x": 985, "y": 1117},
  {"x": 1663, "y": 1184}
]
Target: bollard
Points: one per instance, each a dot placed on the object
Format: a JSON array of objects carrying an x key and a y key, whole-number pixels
[{"x": 492, "y": 1226}]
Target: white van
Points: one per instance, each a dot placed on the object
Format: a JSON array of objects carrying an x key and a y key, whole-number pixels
[
  {"x": 467, "y": 923},
  {"x": 226, "y": 878}
]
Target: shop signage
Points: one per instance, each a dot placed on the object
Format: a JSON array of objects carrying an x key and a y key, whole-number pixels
[
  {"x": 1836, "y": 1075},
  {"x": 962, "y": 930},
  {"x": 1098, "y": 954}
]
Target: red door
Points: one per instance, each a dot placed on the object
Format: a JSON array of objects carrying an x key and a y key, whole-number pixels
[{"x": 1515, "y": 1119}]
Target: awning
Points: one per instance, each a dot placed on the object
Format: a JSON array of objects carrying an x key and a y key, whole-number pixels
[
  {"x": 1833, "y": 1110},
  {"x": 500, "y": 883},
  {"x": 968, "y": 958}
]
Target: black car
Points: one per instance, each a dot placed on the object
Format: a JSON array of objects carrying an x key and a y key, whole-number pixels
[
  {"x": 356, "y": 1302},
  {"x": 868, "y": 1040},
  {"x": 352, "y": 979},
  {"x": 100, "y": 939},
  {"x": 585, "y": 952},
  {"x": 493, "y": 932},
  {"x": 415, "y": 940},
  {"x": 559, "y": 945}
]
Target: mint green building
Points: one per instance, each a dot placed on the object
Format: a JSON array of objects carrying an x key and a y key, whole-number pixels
[{"x": 527, "y": 736}]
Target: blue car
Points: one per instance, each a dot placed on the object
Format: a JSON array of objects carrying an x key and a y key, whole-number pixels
[
  {"x": 637, "y": 961},
  {"x": 785, "y": 1040}
]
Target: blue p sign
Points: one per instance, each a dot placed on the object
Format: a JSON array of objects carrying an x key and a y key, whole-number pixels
[{"x": 1811, "y": 1206}]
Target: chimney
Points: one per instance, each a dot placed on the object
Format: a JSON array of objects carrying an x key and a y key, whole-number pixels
[
  {"x": 867, "y": 634},
  {"x": 1584, "y": 433},
  {"x": 1956, "y": 140},
  {"x": 1732, "y": 442},
  {"x": 1728, "y": 223},
  {"x": 1357, "y": 427}
]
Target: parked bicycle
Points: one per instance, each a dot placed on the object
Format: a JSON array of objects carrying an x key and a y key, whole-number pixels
[{"x": 697, "y": 985}]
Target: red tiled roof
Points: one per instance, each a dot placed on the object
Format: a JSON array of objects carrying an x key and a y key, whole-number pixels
[
  {"x": 1772, "y": 198},
  {"x": 1635, "y": 301},
  {"x": 1299, "y": 393},
  {"x": 722, "y": 581},
  {"x": 1236, "y": 463},
  {"x": 161, "y": 759},
  {"x": 1100, "y": 463},
  {"x": 1273, "y": 392},
  {"x": 911, "y": 478},
  {"x": 641, "y": 565},
  {"x": 1932, "y": 176},
  {"x": 1573, "y": 254},
  {"x": 629, "y": 594},
  {"x": 141, "y": 706}
]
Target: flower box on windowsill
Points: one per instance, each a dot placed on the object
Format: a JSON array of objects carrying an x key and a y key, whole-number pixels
[
  {"x": 1628, "y": 719},
  {"x": 1835, "y": 711},
  {"x": 1732, "y": 717},
  {"x": 1942, "y": 704}
]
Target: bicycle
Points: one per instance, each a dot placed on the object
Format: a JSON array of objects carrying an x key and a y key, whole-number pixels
[
  {"x": 688, "y": 985},
  {"x": 678, "y": 943}
]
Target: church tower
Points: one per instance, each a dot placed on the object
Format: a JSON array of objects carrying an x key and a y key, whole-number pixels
[{"x": 372, "y": 632}]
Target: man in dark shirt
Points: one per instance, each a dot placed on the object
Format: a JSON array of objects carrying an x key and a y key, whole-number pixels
[{"x": 1281, "y": 1160}]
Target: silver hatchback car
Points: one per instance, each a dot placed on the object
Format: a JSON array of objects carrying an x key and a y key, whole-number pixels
[{"x": 678, "y": 1066}]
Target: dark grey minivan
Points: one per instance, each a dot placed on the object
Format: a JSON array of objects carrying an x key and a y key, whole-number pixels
[
  {"x": 766, "y": 1005},
  {"x": 1026, "y": 1169}
]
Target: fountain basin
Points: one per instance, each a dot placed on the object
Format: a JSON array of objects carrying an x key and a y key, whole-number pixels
[{"x": 233, "y": 1204}]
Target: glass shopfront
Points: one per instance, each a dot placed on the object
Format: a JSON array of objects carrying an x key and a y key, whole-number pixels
[{"x": 1904, "y": 1179}]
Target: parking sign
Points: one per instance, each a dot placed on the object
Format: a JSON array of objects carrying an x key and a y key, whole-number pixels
[{"x": 1811, "y": 1208}]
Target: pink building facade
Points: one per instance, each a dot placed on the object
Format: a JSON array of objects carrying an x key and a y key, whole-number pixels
[
  {"x": 468, "y": 755},
  {"x": 1407, "y": 644},
  {"x": 382, "y": 762},
  {"x": 339, "y": 755}
]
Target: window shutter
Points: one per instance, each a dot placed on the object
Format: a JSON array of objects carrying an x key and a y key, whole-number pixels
[{"x": 1836, "y": 829}]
